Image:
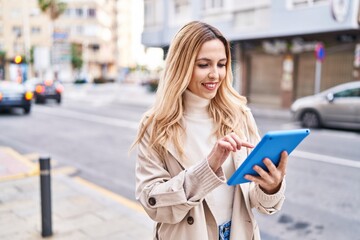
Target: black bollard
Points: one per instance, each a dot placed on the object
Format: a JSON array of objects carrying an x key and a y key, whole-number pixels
[{"x": 45, "y": 184}]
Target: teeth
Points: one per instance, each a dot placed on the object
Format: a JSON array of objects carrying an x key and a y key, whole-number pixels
[{"x": 210, "y": 85}]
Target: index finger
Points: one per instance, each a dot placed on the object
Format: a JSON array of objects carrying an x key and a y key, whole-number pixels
[{"x": 240, "y": 143}]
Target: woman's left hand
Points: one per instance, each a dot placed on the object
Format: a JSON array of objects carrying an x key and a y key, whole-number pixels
[{"x": 270, "y": 182}]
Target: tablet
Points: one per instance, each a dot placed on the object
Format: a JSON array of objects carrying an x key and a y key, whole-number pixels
[{"x": 270, "y": 146}]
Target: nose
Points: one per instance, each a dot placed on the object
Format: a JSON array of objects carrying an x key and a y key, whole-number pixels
[{"x": 214, "y": 74}]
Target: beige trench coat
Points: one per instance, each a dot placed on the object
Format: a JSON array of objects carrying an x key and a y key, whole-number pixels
[{"x": 174, "y": 195}]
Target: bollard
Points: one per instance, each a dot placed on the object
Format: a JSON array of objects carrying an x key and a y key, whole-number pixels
[{"x": 45, "y": 191}]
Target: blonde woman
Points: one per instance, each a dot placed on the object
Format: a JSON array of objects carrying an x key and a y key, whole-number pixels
[{"x": 191, "y": 141}]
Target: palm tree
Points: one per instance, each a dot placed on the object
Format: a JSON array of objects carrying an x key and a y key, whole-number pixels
[{"x": 53, "y": 8}]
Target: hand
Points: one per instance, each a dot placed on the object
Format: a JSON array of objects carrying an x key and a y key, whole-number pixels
[
  {"x": 270, "y": 182},
  {"x": 222, "y": 149}
]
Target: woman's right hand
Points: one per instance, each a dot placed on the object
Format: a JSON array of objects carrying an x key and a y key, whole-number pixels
[{"x": 222, "y": 149}]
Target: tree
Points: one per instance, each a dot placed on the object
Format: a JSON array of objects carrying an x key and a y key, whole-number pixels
[
  {"x": 53, "y": 8},
  {"x": 76, "y": 59},
  {"x": 2, "y": 64}
]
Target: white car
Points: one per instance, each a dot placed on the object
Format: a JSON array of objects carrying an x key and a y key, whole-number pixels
[{"x": 336, "y": 107}]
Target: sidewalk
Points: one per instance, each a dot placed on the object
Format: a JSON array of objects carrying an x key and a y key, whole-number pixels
[{"x": 80, "y": 209}]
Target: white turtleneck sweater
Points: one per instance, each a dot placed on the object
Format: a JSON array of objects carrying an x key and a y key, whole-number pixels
[{"x": 198, "y": 144}]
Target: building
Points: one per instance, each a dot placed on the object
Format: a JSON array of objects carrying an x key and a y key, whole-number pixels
[
  {"x": 21, "y": 26},
  {"x": 101, "y": 31},
  {"x": 278, "y": 46}
]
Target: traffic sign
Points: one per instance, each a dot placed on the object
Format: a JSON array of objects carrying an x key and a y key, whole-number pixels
[{"x": 319, "y": 51}]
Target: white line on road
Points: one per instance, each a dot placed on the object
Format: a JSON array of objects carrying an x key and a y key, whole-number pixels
[
  {"x": 90, "y": 118},
  {"x": 326, "y": 159}
]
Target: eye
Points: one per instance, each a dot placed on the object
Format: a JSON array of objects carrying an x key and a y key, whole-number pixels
[
  {"x": 204, "y": 65},
  {"x": 221, "y": 65}
]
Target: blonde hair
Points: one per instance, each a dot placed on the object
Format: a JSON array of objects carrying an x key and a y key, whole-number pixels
[{"x": 227, "y": 108}]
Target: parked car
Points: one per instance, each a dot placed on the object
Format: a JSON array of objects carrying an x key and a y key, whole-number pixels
[
  {"x": 44, "y": 90},
  {"x": 336, "y": 107},
  {"x": 14, "y": 95}
]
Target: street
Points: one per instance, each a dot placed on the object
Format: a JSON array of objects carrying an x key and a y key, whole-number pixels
[{"x": 94, "y": 127}]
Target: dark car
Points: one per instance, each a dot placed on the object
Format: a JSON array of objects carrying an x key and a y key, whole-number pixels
[
  {"x": 15, "y": 95},
  {"x": 336, "y": 107},
  {"x": 44, "y": 90}
]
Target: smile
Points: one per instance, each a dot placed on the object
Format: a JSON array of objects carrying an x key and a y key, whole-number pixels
[{"x": 210, "y": 86}]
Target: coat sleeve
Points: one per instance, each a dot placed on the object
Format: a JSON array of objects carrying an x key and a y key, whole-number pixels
[
  {"x": 264, "y": 203},
  {"x": 167, "y": 198}
]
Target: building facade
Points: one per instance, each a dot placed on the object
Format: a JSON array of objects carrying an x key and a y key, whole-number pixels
[
  {"x": 282, "y": 50},
  {"x": 106, "y": 33}
]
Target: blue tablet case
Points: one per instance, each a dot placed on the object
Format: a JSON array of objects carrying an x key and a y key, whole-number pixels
[{"x": 270, "y": 146}]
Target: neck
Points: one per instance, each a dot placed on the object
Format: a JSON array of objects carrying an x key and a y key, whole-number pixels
[{"x": 195, "y": 106}]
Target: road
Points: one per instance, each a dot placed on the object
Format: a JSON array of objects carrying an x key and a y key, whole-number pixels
[{"x": 94, "y": 127}]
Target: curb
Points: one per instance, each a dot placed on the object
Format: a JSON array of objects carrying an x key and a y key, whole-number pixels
[{"x": 34, "y": 169}]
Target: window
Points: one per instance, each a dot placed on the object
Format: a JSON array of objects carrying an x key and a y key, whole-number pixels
[
  {"x": 291, "y": 4},
  {"x": 91, "y": 12},
  {"x": 17, "y": 31},
  {"x": 35, "y": 30},
  {"x": 79, "y": 12},
  {"x": 79, "y": 29},
  {"x": 355, "y": 92},
  {"x": 213, "y": 4},
  {"x": 180, "y": 5}
]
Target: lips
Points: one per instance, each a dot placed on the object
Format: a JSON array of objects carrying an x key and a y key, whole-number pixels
[{"x": 210, "y": 85}]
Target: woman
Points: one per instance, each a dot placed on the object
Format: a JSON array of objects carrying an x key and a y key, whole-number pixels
[{"x": 193, "y": 138}]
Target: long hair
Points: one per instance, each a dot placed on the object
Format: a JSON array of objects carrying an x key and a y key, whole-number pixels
[{"x": 227, "y": 108}]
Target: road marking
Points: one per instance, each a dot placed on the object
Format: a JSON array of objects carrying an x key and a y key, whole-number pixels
[
  {"x": 327, "y": 159},
  {"x": 91, "y": 118},
  {"x": 122, "y": 200}
]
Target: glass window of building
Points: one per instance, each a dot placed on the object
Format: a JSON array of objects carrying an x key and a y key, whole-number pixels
[
  {"x": 79, "y": 12},
  {"x": 213, "y": 4},
  {"x": 35, "y": 30},
  {"x": 17, "y": 31},
  {"x": 91, "y": 12},
  {"x": 180, "y": 5},
  {"x": 291, "y": 4}
]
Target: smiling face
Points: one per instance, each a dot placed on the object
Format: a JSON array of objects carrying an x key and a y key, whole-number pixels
[{"x": 209, "y": 69}]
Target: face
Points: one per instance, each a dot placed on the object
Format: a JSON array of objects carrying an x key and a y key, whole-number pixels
[{"x": 209, "y": 69}]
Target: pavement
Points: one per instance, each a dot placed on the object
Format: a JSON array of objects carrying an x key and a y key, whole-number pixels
[{"x": 80, "y": 209}]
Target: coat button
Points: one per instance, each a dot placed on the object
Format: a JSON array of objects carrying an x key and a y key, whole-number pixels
[
  {"x": 190, "y": 220},
  {"x": 152, "y": 201}
]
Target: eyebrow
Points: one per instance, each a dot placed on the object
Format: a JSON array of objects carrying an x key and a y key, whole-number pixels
[{"x": 209, "y": 60}]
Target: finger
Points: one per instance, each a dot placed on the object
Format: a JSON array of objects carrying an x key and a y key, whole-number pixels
[
  {"x": 254, "y": 179},
  {"x": 239, "y": 142},
  {"x": 283, "y": 161},
  {"x": 270, "y": 166},
  {"x": 263, "y": 174},
  {"x": 225, "y": 145},
  {"x": 247, "y": 144},
  {"x": 232, "y": 141}
]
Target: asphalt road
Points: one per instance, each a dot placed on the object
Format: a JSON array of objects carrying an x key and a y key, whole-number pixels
[{"x": 93, "y": 129}]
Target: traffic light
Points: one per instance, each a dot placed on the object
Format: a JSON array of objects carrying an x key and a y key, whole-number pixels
[{"x": 18, "y": 59}]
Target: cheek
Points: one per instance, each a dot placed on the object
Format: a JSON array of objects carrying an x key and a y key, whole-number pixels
[{"x": 222, "y": 74}]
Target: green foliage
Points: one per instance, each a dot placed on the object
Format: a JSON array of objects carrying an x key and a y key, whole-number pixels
[
  {"x": 54, "y": 8},
  {"x": 76, "y": 56},
  {"x": 2, "y": 54}
]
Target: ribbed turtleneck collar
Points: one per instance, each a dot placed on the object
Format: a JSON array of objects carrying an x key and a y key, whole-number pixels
[{"x": 195, "y": 106}]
